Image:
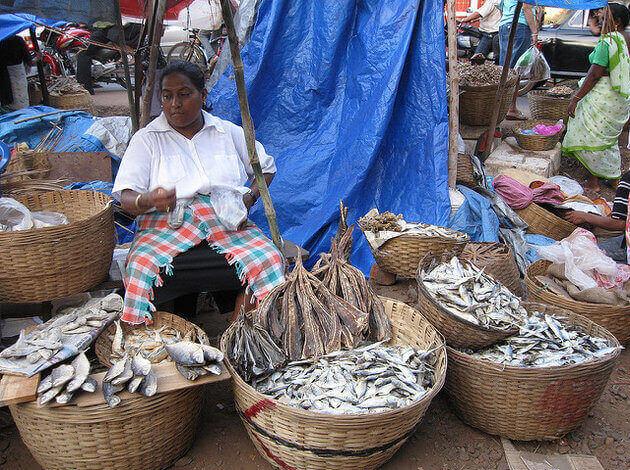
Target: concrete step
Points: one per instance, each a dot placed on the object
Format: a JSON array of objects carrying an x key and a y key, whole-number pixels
[{"x": 509, "y": 155}]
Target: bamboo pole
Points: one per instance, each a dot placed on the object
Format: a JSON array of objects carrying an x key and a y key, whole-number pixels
[
  {"x": 125, "y": 61},
  {"x": 157, "y": 19},
  {"x": 453, "y": 79},
  {"x": 248, "y": 125},
  {"x": 504, "y": 75}
]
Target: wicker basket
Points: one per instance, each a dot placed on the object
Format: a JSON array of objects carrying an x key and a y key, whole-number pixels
[
  {"x": 81, "y": 100},
  {"x": 25, "y": 165},
  {"x": 543, "y": 222},
  {"x": 457, "y": 332},
  {"x": 139, "y": 434},
  {"x": 528, "y": 404},
  {"x": 465, "y": 172},
  {"x": 401, "y": 255},
  {"x": 545, "y": 106},
  {"x": 103, "y": 346},
  {"x": 497, "y": 260},
  {"x": 614, "y": 319},
  {"x": 477, "y": 103},
  {"x": 536, "y": 142},
  {"x": 49, "y": 263},
  {"x": 289, "y": 437}
]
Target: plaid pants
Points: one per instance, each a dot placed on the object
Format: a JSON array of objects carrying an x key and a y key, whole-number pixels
[{"x": 258, "y": 262}]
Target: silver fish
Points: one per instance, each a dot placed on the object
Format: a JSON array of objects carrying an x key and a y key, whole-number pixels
[
  {"x": 45, "y": 384},
  {"x": 116, "y": 369},
  {"x": 117, "y": 342},
  {"x": 211, "y": 354},
  {"x": 64, "y": 397},
  {"x": 109, "y": 393},
  {"x": 140, "y": 365},
  {"x": 190, "y": 373},
  {"x": 112, "y": 303},
  {"x": 89, "y": 385},
  {"x": 49, "y": 395},
  {"x": 126, "y": 375},
  {"x": 61, "y": 375},
  {"x": 81, "y": 366},
  {"x": 213, "y": 369},
  {"x": 135, "y": 383},
  {"x": 186, "y": 353},
  {"x": 149, "y": 386}
]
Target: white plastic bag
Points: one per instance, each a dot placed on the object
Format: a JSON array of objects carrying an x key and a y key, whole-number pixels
[
  {"x": 14, "y": 215},
  {"x": 48, "y": 219},
  {"x": 532, "y": 65},
  {"x": 229, "y": 206}
]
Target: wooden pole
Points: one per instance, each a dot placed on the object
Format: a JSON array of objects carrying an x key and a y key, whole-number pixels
[
  {"x": 153, "y": 59},
  {"x": 453, "y": 79},
  {"x": 125, "y": 61},
  {"x": 248, "y": 125},
  {"x": 40, "y": 68},
  {"x": 504, "y": 75}
]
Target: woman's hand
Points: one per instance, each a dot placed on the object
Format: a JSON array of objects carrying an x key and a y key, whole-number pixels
[
  {"x": 576, "y": 217},
  {"x": 248, "y": 200},
  {"x": 163, "y": 200},
  {"x": 572, "y": 105}
]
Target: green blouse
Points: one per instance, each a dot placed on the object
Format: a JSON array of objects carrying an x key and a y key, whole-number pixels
[{"x": 600, "y": 55}]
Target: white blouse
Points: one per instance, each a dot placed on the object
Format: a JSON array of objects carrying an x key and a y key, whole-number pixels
[{"x": 159, "y": 156}]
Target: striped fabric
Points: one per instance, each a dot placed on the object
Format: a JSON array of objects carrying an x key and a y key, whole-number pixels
[
  {"x": 620, "y": 203},
  {"x": 258, "y": 262}
]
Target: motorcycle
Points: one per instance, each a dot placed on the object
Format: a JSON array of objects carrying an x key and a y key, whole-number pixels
[{"x": 468, "y": 38}]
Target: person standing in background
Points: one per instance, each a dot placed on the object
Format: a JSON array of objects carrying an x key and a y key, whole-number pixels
[
  {"x": 489, "y": 17},
  {"x": 14, "y": 62}
]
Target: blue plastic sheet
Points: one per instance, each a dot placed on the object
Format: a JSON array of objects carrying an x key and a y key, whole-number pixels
[
  {"x": 536, "y": 240},
  {"x": 349, "y": 96},
  {"x": 87, "y": 11},
  {"x": 476, "y": 217},
  {"x": 11, "y": 24},
  {"x": 569, "y": 4}
]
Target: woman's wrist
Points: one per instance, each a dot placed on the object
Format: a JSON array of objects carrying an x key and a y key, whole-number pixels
[{"x": 141, "y": 202}]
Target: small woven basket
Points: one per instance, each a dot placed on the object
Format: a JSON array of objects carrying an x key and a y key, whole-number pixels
[
  {"x": 103, "y": 345},
  {"x": 44, "y": 264},
  {"x": 477, "y": 103},
  {"x": 543, "y": 222},
  {"x": 497, "y": 260},
  {"x": 142, "y": 433},
  {"x": 289, "y": 437},
  {"x": 457, "y": 332},
  {"x": 614, "y": 319},
  {"x": 81, "y": 100},
  {"x": 401, "y": 255},
  {"x": 465, "y": 172},
  {"x": 542, "y": 105},
  {"x": 527, "y": 404},
  {"x": 536, "y": 142}
]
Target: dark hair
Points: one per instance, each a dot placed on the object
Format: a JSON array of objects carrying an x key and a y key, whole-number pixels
[
  {"x": 190, "y": 70},
  {"x": 620, "y": 13}
]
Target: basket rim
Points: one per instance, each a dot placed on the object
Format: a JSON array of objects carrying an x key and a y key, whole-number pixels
[
  {"x": 411, "y": 235},
  {"x": 511, "y": 80},
  {"x": 343, "y": 418}
]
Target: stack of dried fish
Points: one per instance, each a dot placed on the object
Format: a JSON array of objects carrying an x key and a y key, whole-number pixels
[
  {"x": 307, "y": 320},
  {"x": 252, "y": 351},
  {"x": 486, "y": 74},
  {"x": 59, "y": 85},
  {"x": 194, "y": 360},
  {"x": 65, "y": 380},
  {"x": 347, "y": 282},
  {"x": 544, "y": 341},
  {"x": 150, "y": 342},
  {"x": 472, "y": 295},
  {"x": 375, "y": 221},
  {"x": 368, "y": 379}
]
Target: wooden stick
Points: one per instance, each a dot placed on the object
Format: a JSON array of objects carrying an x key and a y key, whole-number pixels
[
  {"x": 40, "y": 68},
  {"x": 125, "y": 61},
  {"x": 39, "y": 116},
  {"x": 453, "y": 80},
  {"x": 153, "y": 59},
  {"x": 248, "y": 125},
  {"x": 504, "y": 75}
]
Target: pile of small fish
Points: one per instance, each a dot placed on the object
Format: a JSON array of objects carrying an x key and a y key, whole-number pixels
[
  {"x": 348, "y": 283},
  {"x": 369, "y": 379},
  {"x": 151, "y": 342},
  {"x": 471, "y": 75},
  {"x": 435, "y": 231},
  {"x": 560, "y": 90},
  {"x": 65, "y": 380},
  {"x": 194, "y": 360},
  {"x": 375, "y": 221},
  {"x": 544, "y": 341},
  {"x": 252, "y": 351},
  {"x": 306, "y": 320},
  {"x": 472, "y": 295}
]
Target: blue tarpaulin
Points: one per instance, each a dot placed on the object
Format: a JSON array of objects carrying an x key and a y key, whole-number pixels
[
  {"x": 476, "y": 217},
  {"x": 349, "y": 96},
  {"x": 11, "y": 24},
  {"x": 87, "y": 11},
  {"x": 569, "y": 4}
]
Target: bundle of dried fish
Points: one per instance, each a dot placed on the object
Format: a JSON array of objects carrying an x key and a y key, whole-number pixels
[
  {"x": 545, "y": 341},
  {"x": 252, "y": 351},
  {"x": 307, "y": 320},
  {"x": 131, "y": 372},
  {"x": 347, "y": 282},
  {"x": 368, "y": 379},
  {"x": 65, "y": 380},
  {"x": 486, "y": 74},
  {"x": 150, "y": 342},
  {"x": 194, "y": 360},
  {"x": 472, "y": 295},
  {"x": 375, "y": 221}
]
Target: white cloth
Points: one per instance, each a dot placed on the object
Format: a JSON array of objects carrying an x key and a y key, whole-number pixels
[
  {"x": 490, "y": 16},
  {"x": 159, "y": 156},
  {"x": 19, "y": 86}
]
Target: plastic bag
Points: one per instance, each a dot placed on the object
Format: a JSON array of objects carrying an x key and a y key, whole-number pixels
[
  {"x": 532, "y": 65},
  {"x": 48, "y": 219},
  {"x": 14, "y": 215},
  {"x": 229, "y": 206}
]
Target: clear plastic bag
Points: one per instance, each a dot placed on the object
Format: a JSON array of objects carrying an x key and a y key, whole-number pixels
[
  {"x": 532, "y": 65},
  {"x": 229, "y": 206},
  {"x": 14, "y": 215},
  {"x": 48, "y": 219}
]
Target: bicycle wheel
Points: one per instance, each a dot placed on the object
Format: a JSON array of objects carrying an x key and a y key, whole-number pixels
[{"x": 188, "y": 53}]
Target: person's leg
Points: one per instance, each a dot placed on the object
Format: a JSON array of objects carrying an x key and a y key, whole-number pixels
[
  {"x": 84, "y": 69},
  {"x": 522, "y": 41},
  {"x": 485, "y": 45},
  {"x": 244, "y": 301},
  {"x": 504, "y": 32}
]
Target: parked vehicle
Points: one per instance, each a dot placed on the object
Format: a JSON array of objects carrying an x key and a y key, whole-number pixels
[{"x": 468, "y": 38}]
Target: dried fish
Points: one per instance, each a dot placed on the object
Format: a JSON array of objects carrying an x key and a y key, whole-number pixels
[
  {"x": 81, "y": 366},
  {"x": 116, "y": 369},
  {"x": 109, "y": 393},
  {"x": 149, "y": 385},
  {"x": 186, "y": 353},
  {"x": 486, "y": 74},
  {"x": 367, "y": 379},
  {"x": 89, "y": 385},
  {"x": 64, "y": 380},
  {"x": 375, "y": 221}
]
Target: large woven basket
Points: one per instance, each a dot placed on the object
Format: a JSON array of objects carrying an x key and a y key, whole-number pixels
[
  {"x": 139, "y": 434},
  {"x": 477, "y": 103},
  {"x": 543, "y": 222},
  {"x": 289, "y": 437},
  {"x": 401, "y": 255},
  {"x": 25, "y": 165},
  {"x": 497, "y": 260},
  {"x": 528, "y": 404},
  {"x": 536, "y": 142},
  {"x": 103, "y": 345},
  {"x": 545, "y": 106},
  {"x": 614, "y": 319},
  {"x": 457, "y": 332},
  {"x": 81, "y": 100},
  {"x": 49, "y": 263},
  {"x": 465, "y": 172}
]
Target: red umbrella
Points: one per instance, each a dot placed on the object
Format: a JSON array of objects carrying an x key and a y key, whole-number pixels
[{"x": 136, "y": 8}]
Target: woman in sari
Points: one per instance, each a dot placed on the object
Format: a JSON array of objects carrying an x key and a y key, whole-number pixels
[{"x": 601, "y": 107}]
